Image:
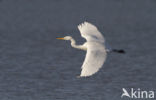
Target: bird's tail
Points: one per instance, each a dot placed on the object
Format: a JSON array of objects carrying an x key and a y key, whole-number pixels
[{"x": 119, "y": 51}]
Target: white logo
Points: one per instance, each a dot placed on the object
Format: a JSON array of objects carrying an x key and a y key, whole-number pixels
[{"x": 137, "y": 93}]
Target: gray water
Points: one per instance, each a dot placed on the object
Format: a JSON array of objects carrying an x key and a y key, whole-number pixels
[{"x": 36, "y": 66}]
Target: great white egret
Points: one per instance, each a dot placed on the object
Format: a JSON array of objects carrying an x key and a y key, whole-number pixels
[{"x": 96, "y": 51}]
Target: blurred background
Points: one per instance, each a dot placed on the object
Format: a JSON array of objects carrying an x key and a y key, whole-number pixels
[{"x": 36, "y": 66}]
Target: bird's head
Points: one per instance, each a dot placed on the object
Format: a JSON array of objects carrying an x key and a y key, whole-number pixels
[{"x": 65, "y": 38}]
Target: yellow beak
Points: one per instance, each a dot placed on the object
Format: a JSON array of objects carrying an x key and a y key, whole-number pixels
[{"x": 60, "y": 38}]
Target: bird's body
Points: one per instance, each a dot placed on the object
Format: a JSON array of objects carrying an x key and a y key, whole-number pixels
[{"x": 96, "y": 51}]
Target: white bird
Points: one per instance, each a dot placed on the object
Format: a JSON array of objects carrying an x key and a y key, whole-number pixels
[{"x": 96, "y": 51}]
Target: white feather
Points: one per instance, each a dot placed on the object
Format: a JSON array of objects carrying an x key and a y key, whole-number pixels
[
  {"x": 90, "y": 32},
  {"x": 95, "y": 57},
  {"x": 96, "y": 53}
]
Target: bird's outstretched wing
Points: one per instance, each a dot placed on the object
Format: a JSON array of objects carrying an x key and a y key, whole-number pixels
[
  {"x": 90, "y": 32},
  {"x": 95, "y": 57}
]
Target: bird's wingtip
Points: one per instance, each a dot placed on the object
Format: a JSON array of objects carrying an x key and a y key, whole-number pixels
[{"x": 85, "y": 23}]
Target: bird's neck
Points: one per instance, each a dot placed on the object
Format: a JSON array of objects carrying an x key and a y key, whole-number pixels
[{"x": 73, "y": 44}]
